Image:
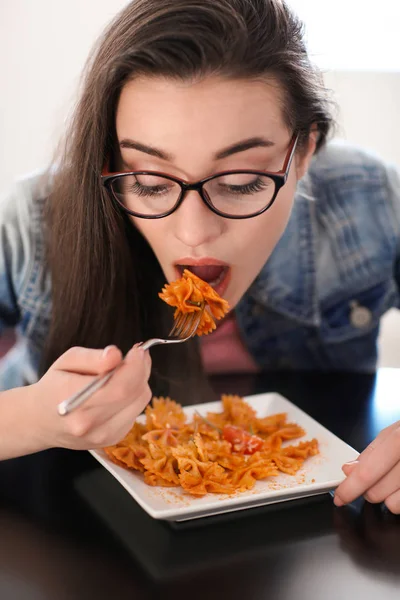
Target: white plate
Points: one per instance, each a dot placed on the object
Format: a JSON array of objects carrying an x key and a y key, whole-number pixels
[{"x": 320, "y": 473}]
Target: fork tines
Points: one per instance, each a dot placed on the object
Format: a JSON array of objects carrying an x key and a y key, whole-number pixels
[{"x": 186, "y": 324}]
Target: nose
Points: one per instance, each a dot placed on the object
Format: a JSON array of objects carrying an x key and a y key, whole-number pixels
[{"x": 195, "y": 224}]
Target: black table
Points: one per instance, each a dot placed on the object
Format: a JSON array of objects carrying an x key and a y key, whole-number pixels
[{"x": 69, "y": 531}]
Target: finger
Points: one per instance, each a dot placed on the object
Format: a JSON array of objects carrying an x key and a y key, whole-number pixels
[
  {"x": 87, "y": 361},
  {"x": 379, "y": 461},
  {"x": 389, "y": 484},
  {"x": 102, "y": 413},
  {"x": 115, "y": 429},
  {"x": 381, "y": 437},
  {"x": 347, "y": 468},
  {"x": 124, "y": 386},
  {"x": 87, "y": 429},
  {"x": 393, "y": 502},
  {"x": 146, "y": 357}
]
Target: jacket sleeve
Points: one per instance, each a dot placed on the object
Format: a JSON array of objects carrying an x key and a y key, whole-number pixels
[
  {"x": 393, "y": 181},
  {"x": 14, "y": 254}
]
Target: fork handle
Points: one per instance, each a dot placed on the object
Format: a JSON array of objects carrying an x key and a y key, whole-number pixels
[
  {"x": 154, "y": 342},
  {"x": 67, "y": 406}
]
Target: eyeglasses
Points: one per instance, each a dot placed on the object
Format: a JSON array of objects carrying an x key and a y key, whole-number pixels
[{"x": 240, "y": 194}]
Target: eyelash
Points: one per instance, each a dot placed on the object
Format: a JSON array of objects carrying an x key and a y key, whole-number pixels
[
  {"x": 250, "y": 188},
  {"x": 146, "y": 191}
]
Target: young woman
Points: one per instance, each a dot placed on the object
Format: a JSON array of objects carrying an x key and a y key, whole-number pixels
[{"x": 199, "y": 140}]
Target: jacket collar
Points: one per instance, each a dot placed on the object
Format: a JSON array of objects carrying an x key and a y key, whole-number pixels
[{"x": 287, "y": 283}]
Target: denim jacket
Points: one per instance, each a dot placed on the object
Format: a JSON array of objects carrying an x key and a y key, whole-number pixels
[{"x": 315, "y": 305}]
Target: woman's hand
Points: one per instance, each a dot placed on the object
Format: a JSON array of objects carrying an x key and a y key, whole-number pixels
[
  {"x": 106, "y": 417},
  {"x": 376, "y": 472}
]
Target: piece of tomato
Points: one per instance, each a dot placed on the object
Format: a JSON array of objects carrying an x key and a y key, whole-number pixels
[{"x": 241, "y": 440}]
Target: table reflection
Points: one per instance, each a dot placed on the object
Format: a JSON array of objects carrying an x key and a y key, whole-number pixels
[{"x": 44, "y": 565}]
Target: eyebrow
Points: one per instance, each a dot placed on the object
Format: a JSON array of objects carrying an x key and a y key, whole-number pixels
[
  {"x": 132, "y": 145},
  {"x": 254, "y": 142}
]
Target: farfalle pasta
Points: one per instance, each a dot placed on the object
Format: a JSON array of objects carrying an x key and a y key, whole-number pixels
[
  {"x": 223, "y": 452},
  {"x": 188, "y": 292}
]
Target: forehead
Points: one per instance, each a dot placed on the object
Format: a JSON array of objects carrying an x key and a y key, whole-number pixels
[{"x": 163, "y": 112}]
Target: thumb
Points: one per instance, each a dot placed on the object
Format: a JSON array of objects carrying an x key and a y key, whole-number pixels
[{"x": 87, "y": 361}]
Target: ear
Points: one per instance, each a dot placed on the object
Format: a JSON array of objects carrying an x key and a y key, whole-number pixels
[{"x": 303, "y": 158}]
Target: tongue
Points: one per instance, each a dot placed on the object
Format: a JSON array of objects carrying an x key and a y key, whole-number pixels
[{"x": 206, "y": 272}]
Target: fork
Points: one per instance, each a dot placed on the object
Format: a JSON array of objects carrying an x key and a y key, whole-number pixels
[{"x": 184, "y": 328}]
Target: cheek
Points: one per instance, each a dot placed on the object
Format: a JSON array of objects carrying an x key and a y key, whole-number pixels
[
  {"x": 264, "y": 232},
  {"x": 150, "y": 230},
  {"x": 255, "y": 242},
  {"x": 158, "y": 235}
]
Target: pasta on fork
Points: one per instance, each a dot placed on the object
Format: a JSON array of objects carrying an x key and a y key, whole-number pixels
[{"x": 188, "y": 293}]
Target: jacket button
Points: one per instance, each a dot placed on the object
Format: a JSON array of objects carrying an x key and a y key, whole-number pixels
[{"x": 360, "y": 316}]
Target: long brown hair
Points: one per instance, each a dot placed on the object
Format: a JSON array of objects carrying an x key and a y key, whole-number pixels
[{"x": 105, "y": 277}]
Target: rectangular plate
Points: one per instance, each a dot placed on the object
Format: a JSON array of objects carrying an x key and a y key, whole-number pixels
[{"x": 320, "y": 473}]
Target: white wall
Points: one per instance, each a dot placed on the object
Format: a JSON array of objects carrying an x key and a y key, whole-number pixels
[
  {"x": 356, "y": 35},
  {"x": 369, "y": 112},
  {"x": 43, "y": 47},
  {"x": 44, "y": 44}
]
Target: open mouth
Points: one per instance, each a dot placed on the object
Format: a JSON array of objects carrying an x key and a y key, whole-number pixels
[{"x": 216, "y": 275}]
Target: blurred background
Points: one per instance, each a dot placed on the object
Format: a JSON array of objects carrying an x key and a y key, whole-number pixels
[{"x": 44, "y": 45}]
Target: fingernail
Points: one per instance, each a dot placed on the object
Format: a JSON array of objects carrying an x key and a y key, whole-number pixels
[
  {"x": 135, "y": 351},
  {"x": 107, "y": 350},
  {"x": 349, "y": 466},
  {"x": 351, "y": 463}
]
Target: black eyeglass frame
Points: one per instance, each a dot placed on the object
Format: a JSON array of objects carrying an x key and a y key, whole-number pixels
[{"x": 279, "y": 178}]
